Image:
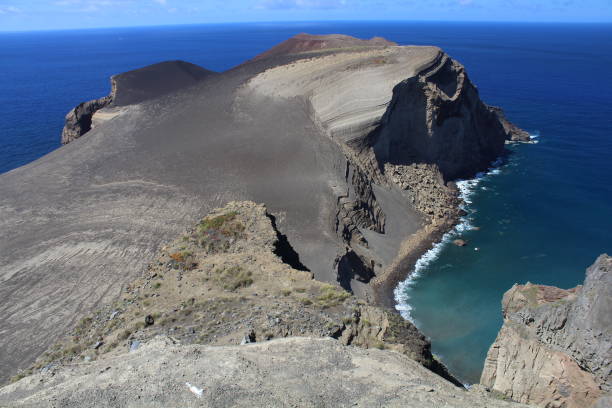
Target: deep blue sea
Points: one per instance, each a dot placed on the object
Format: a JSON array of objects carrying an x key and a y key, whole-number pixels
[{"x": 543, "y": 217}]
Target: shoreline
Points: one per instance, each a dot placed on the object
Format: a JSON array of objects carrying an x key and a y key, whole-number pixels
[{"x": 411, "y": 250}]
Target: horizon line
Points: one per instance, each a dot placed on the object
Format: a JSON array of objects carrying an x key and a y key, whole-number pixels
[{"x": 544, "y": 22}]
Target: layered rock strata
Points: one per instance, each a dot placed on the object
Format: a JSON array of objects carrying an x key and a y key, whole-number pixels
[{"x": 555, "y": 347}]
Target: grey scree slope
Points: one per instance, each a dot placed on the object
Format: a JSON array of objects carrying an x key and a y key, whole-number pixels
[{"x": 79, "y": 222}]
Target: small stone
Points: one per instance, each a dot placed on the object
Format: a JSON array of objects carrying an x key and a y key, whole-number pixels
[
  {"x": 98, "y": 345},
  {"x": 249, "y": 337},
  {"x": 460, "y": 242},
  {"x": 134, "y": 344},
  {"x": 149, "y": 320}
]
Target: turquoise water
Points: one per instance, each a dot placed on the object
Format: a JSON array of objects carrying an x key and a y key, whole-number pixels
[{"x": 543, "y": 218}]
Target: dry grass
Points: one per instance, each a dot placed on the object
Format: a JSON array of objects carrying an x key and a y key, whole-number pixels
[
  {"x": 233, "y": 278},
  {"x": 331, "y": 296},
  {"x": 216, "y": 234}
]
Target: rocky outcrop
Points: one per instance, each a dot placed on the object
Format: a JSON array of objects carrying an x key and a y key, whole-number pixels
[
  {"x": 555, "y": 347},
  {"x": 437, "y": 117},
  {"x": 304, "y": 372},
  {"x": 79, "y": 119},
  {"x": 133, "y": 87},
  {"x": 513, "y": 132}
]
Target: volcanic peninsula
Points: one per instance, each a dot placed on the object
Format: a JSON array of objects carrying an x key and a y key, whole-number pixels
[{"x": 234, "y": 238}]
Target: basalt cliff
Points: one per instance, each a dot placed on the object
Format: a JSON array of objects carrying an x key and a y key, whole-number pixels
[
  {"x": 555, "y": 347},
  {"x": 352, "y": 145}
]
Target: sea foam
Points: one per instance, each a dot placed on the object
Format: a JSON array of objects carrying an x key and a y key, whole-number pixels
[{"x": 466, "y": 190}]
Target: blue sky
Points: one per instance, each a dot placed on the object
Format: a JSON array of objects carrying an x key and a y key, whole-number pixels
[{"x": 60, "y": 14}]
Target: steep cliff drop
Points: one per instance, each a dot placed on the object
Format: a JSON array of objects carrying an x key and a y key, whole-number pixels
[
  {"x": 555, "y": 347},
  {"x": 352, "y": 146}
]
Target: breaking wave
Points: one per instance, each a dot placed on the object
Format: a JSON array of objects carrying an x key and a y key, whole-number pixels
[{"x": 466, "y": 191}]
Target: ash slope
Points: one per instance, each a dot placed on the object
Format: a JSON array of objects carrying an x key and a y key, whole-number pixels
[{"x": 78, "y": 223}]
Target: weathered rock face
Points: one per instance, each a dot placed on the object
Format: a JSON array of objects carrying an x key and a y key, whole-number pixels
[
  {"x": 304, "y": 372},
  {"x": 130, "y": 88},
  {"x": 79, "y": 119},
  {"x": 555, "y": 347},
  {"x": 513, "y": 132},
  {"x": 437, "y": 117}
]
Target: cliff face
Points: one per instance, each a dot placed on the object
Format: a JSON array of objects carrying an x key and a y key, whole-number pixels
[
  {"x": 437, "y": 117},
  {"x": 79, "y": 119},
  {"x": 555, "y": 347}
]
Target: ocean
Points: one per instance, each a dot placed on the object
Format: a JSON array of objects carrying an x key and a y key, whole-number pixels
[{"x": 543, "y": 215}]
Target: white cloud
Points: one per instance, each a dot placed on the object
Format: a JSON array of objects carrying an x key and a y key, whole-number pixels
[{"x": 9, "y": 10}]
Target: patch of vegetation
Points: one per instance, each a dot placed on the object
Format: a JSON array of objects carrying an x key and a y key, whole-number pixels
[
  {"x": 156, "y": 285},
  {"x": 331, "y": 296},
  {"x": 216, "y": 234},
  {"x": 233, "y": 278},
  {"x": 20, "y": 375},
  {"x": 305, "y": 301},
  {"x": 183, "y": 259},
  {"x": 286, "y": 292}
]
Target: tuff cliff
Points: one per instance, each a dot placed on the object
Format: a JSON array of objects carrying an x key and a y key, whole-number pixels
[
  {"x": 555, "y": 347},
  {"x": 346, "y": 146}
]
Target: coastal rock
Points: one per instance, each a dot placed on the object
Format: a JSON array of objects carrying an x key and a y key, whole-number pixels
[
  {"x": 513, "y": 132},
  {"x": 460, "y": 242},
  {"x": 555, "y": 347},
  {"x": 304, "y": 372},
  {"x": 79, "y": 119}
]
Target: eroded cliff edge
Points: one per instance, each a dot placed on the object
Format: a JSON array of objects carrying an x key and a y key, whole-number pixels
[{"x": 555, "y": 347}]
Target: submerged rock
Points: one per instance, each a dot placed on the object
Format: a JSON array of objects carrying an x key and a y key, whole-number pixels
[
  {"x": 555, "y": 347},
  {"x": 460, "y": 242}
]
